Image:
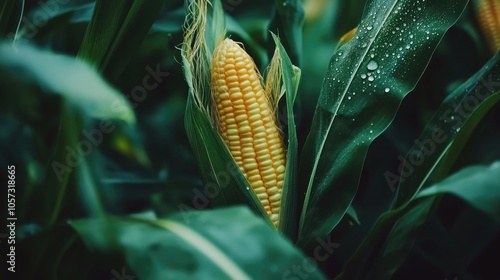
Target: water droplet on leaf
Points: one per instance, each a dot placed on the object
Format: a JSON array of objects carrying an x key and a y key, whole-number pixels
[{"x": 372, "y": 65}]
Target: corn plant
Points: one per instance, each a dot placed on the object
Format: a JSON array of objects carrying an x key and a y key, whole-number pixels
[{"x": 250, "y": 140}]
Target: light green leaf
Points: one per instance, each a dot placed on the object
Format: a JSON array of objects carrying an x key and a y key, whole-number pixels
[
  {"x": 225, "y": 244},
  {"x": 288, "y": 211},
  {"x": 81, "y": 86}
]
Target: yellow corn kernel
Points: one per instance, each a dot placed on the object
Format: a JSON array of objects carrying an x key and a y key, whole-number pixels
[
  {"x": 261, "y": 153},
  {"x": 488, "y": 14}
]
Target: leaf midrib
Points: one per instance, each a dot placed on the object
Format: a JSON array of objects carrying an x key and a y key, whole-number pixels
[{"x": 225, "y": 264}]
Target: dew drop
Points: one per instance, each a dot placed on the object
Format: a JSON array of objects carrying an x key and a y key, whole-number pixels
[
  {"x": 387, "y": 89},
  {"x": 369, "y": 28},
  {"x": 363, "y": 76},
  {"x": 372, "y": 65},
  {"x": 371, "y": 78}
]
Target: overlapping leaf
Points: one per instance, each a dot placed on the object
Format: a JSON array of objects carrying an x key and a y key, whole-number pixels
[
  {"x": 366, "y": 80},
  {"x": 479, "y": 186},
  {"x": 116, "y": 32},
  {"x": 448, "y": 131}
]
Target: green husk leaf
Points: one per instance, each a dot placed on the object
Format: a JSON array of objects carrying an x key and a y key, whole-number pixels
[
  {"x": 288, "y": 211},
  {"x": 287, "y": 22}
]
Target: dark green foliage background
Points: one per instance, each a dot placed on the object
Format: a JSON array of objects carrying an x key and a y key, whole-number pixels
[{"x": 457, "y": 240}]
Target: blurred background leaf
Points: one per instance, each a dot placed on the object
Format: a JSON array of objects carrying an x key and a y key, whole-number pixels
[{"x": 116, "y": 31}]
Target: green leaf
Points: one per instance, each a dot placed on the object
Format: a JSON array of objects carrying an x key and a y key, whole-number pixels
[
  {"x": 288, "y": 211},
  {"x": 479, "y": 186},
  {"x": 484, "y": 195},
  {"x": 287, "y": 22},
  {"x": 81, "y": 86},
  {"x": 28, "y": 86},
  {"x": 463, "y": 137},
  {"x": 448, "y": 131},
  {"x": 116, "y": 32},
  {"x": 56, "y": 253},
  {"x": 351, "y": 212},
  {"x": 9, "y": 17},
  {"x": 366, "y": 80},
  {"x": 216, "y": 24},
  {"x": 225, "y": 244}
]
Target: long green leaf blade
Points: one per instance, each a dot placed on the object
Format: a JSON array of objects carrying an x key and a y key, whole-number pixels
[
  {"x": 7, "y": 17},
  {"x": 223, "y": 248},
  {"x": 116, "y": 32},
  {"x": 476, "y": 94},
  {"x": 288, "y": 211},
  {"x": 364, "y": 85},
  {"x": 287, "y": 21},
  {"x": 479, "y": 186}
]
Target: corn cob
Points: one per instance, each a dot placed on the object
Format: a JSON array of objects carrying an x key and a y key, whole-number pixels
[
  {"x": 488, "y": 13},
  {"x": 247, "y": 124}
]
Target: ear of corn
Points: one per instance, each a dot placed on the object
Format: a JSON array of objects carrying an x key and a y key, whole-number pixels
[
  {"x": 247, "y": 124},
  {"x": 488, "y": 13}
]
